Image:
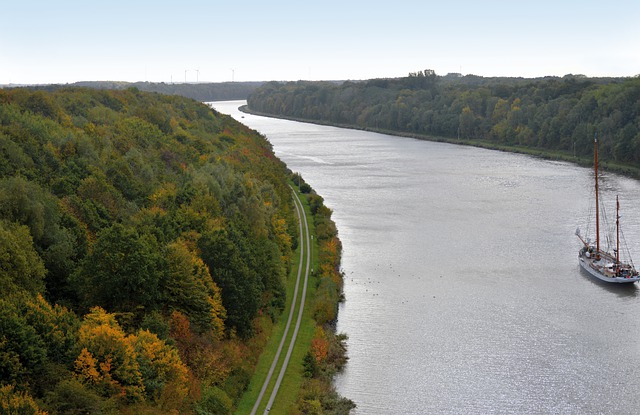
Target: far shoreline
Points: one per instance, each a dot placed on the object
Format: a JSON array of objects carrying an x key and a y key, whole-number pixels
[{"x": 622, "y": 169}]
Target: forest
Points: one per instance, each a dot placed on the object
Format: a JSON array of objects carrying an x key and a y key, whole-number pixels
[
  {"x": 145, "y": 241},
  {"x": 201, "y": 91},
  {"x": 561, "y": 115}
]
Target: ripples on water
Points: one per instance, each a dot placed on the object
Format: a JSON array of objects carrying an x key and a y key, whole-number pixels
[{"x": 462, "y": 284}]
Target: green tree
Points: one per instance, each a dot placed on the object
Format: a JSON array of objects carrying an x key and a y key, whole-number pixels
[
  {"x": 27, "y": 203},
  {"x": 22, "y": 351},
  {"x": 56, "y": 325},
  {"x": 21, "y": 269},
  {"x": 72, "y": 397},
  {"x": 239, "y": 285},
  {"x": 214, "y": 401},
  {"x": 468, "y": 123},
  {"x": 123, "y": 272},
  {"x": 56, "y": 235}
]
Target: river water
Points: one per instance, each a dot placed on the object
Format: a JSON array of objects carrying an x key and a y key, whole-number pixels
[{"x": 463, "y": 293}]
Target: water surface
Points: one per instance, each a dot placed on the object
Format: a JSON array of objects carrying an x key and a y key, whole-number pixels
[{"x": 463, "y": 293}]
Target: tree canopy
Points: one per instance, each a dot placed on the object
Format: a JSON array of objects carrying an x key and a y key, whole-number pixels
[
  {"x": 560, "y": 114},
  {"x": 141, "y": 235}
]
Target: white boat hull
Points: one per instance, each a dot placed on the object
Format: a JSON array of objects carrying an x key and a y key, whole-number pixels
[{"x": 591, "y": 269}]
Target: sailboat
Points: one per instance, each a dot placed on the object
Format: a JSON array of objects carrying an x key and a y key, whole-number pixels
[{"x": 604, "y": 265}]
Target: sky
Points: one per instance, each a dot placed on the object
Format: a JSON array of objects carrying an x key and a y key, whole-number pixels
[{"x": 66, "y": 41}]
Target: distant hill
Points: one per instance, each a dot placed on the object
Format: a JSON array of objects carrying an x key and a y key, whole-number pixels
[{"x": 220, "y": 91}]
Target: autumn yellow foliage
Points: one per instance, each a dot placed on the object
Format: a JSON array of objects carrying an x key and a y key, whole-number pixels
[
  {"x": 135, "y": 367},
  {"x": 18, "y": 403}
]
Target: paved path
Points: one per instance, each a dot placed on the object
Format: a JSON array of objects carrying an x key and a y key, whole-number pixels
[{"x": 305, "y": 248}]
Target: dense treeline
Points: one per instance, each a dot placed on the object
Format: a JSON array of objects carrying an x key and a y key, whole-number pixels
[
  {"x": 560, "y": 114},
  {"x": 143, "y": 237},
  {"x": 201, "y": 91}
]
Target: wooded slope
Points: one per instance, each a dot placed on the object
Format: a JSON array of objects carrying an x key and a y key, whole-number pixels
[{"x": 143, "y": 237}]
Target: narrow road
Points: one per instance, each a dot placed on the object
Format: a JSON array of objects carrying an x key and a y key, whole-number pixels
[{"x": 305, "y": 248}]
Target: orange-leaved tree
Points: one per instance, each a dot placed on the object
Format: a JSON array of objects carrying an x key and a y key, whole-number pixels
[{"x": 107, "y": 360}]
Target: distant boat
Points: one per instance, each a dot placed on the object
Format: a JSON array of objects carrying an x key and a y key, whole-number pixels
[{"x": 605, "y": 265}]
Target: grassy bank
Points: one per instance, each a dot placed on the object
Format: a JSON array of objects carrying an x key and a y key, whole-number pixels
[
  {"x": 319, "y": 352},
  {"x": 294, "y": 379}
]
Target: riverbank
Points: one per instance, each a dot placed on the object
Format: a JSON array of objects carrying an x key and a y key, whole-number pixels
[
  {"x": 623, "y": 169},
  {"x": 319, "y": 352}
]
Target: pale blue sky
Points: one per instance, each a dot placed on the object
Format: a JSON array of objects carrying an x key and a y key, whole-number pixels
[{"x": 62, "y": 41}]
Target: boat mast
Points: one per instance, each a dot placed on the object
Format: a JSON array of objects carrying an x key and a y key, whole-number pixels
[
  {"x": 595, "y": 166},
  {"x": 617, "y": 231}
]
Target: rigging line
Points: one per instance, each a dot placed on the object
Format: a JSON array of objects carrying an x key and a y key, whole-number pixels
[{"x": 627, "y": 252}]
